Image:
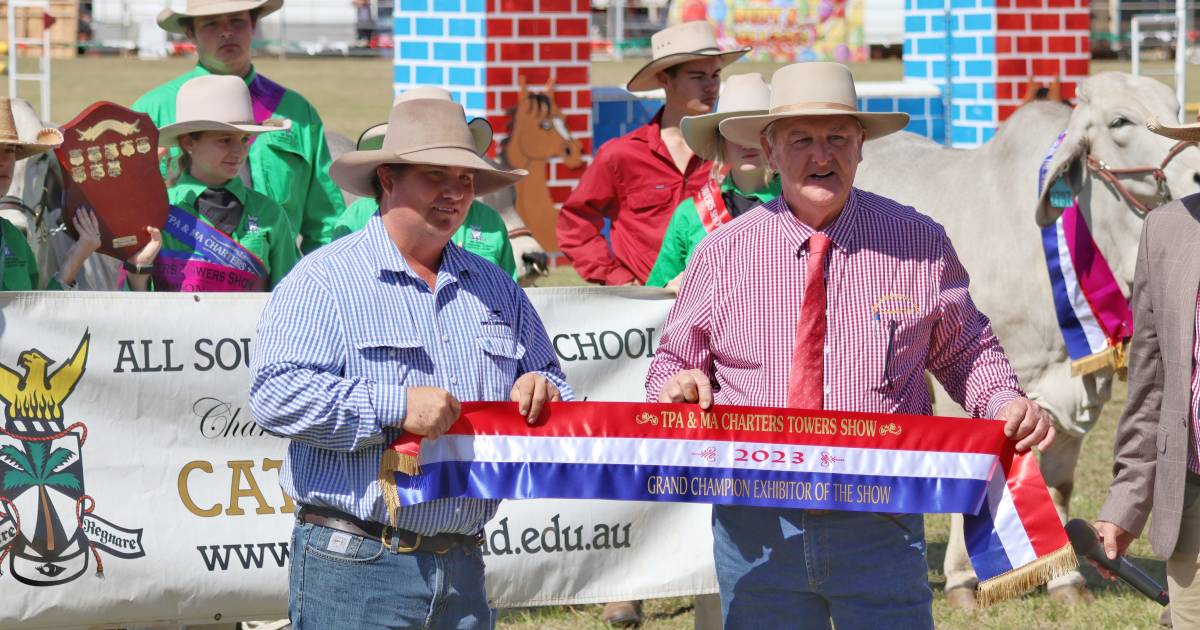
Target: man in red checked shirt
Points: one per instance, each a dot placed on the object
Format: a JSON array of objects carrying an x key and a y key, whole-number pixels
[
  {"x": 829, "y": 297},
  {"x": 637, "y": 180}
]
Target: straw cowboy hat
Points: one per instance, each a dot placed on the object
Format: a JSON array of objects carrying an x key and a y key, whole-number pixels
[
  {"x": 1187, "y": 133},
  {"x": 430, "y": 131},
  {"x": 172, "y": 21},
  {"x": 815, "y": 88},
  {"x": 481, "y": 130},
  {"x": 215, "y": 102},
  {"x": 680, "y": 44},
  {"x": 46, "y": 139},
  {"x": 744, "y": 94}
]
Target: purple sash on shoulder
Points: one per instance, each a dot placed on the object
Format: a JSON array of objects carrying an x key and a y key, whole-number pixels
[
  {"x": 216, "y": 262},
  {"x": 265, "y": 95}
]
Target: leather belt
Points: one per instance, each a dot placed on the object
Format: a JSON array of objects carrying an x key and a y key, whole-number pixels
[{"x": 396, "y": 540}]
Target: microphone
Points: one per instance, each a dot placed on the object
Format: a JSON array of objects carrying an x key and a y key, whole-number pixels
[{"x": 1087, "y": 543}]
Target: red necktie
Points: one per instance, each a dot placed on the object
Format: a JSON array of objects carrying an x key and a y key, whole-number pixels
[{"x": 806, "y": 380}]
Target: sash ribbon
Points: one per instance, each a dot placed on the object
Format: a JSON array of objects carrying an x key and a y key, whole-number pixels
[
  {"x": 215, "y": 261},
  {"x": 752, "y": 456}
]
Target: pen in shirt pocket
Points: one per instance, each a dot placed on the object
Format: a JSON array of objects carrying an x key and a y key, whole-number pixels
[{"x": 889, "y": 351}]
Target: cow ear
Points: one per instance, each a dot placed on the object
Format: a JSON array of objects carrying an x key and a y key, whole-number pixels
[{"x": 1067, "y": 164}]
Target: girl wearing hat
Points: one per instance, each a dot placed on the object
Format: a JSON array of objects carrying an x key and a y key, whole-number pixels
[
  {"x": 220, "y": 235},
  {"x": 18, "y": 266},
  {"x": 749, "y": 182}
]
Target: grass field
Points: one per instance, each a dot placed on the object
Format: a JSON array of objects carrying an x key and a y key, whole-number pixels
[{"x": 353, "y": 94}]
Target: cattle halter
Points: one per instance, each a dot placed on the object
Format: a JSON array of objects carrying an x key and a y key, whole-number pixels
[{"x": 1112, "y": 176}]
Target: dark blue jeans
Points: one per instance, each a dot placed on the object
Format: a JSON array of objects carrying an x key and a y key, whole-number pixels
[
  {"x": 781, "y": 568},
  {"x": 338, "y": 580}
]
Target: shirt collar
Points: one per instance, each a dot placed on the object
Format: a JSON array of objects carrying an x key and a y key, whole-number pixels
[
  {"x": 192, "y": 187},
  {"x": 387, "y": 258},
  {"x": 774, "y": 187},
  {"x": 202, "y": 70},
  {"x": 841, "y": 233}
]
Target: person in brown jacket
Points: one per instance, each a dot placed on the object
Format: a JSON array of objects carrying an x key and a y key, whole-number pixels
[{"x": 1157, "y": 463}]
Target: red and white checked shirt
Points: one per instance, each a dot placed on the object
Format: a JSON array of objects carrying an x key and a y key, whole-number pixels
[{"x": 737, "y": 310}]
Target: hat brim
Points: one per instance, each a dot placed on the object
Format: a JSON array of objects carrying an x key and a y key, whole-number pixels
[
  {"x": 646, "y": 79},
  {"x": 1186, "y": 133},
  {"x": 746, "y": 130},
  {"x": 172, "y": 21},
  {"x": 47, "y": 139},
  {"x": 168, "y": 136},
  {"x": 355, "y": 171},
  {"x": 481, "y": 134},
  {"x": 701, "y": 132}
]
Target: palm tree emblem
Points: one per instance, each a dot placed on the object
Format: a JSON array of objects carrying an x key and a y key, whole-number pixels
[{"x": 36, "y": 468}]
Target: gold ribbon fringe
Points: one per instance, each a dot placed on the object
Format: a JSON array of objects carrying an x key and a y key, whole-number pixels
[
  {"x": 1024, "y": 579},
  {"x": 392, "y": 463}
]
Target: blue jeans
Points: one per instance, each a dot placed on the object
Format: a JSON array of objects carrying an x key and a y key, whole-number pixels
[
  {"x": 338, "y": 580},
  {"x": 780, "y": 568}
]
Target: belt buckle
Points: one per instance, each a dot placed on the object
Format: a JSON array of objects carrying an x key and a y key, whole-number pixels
[{"x": 386, "y": 540}]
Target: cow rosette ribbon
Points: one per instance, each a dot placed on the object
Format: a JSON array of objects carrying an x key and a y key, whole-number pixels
[{"x": 752, "y": 456}]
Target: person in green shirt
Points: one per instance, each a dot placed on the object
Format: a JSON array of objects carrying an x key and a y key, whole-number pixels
[
  {"x": 483, "y": 232},
  {"x": 292, "y": 166},
  {"x": 748, "y": 184},
  {"x": 219, "y": 235}
]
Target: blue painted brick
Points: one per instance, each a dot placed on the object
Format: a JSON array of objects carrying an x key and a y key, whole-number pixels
[
  {"x": 956, "y": 112},
  {"x": 963, "y": 4},
  {"x": 880, "y": 104},
  {"x": 430, "y": 27},
  {"x": 476, "y": 100},
  {"x": 981, "y": 112},
  {"x": 988, "y": 132},
  {"x": 462, "y": 76},
  {"x": 414, "y": 5},
  {"x": 462, "y": 28},
  {"x": 987, "y": 90},
  {"x": 931, "y": 46},
  {"x": 965, "y": 135},
  {"x": 401, "y": 26},
  {"x": 918, "y": 126},
  {"x": 987, "y": 45},
  {"x": 915, "y": 24},
  {"x": 447, "y": 6},
  {"x": 938, "y": 69},
  {"x": 476, "y": 52},
  {"x": 447, "y": 51},
  {"x": 402, "y": 74},
  {"x": 966, "y": 90},
  {"x": 909, "y": 5},
  {"x": 979, "y": 69},
  {"x": 978, "y": 22},
  {"x": 987, "y": 4},
  {"x": 908, "y": 47},
  {"x": 429, "y": 75},
  {"x": 414, "y": 50},
  {"x": 929, "y": 5},
  {"x": 477, "y": 6},
  {"x": 938, "y": 23},
  {"x": 916, "y": 69},
  {"x": 937, "y": 108},
  {"x": 913, "y": 106},
  {"x": 964, "y": 45}
]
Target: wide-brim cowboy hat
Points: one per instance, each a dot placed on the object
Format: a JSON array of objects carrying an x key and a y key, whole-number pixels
[
  {"x": 172, "y": 21},
  {"x": 46, "y": 139},
  {"x": 430, "y": 131},
  {"x": 743, "y": 94},
  {"x": 481, "y": 130},
  {"x": 215, "y": 102},
  {"x": 815, "y": 88},
  {"x": 1186, "y": 133},
  {"x": 680, "y": 44}
]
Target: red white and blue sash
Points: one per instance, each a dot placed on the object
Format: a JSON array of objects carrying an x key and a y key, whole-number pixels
[
  {"x": 211, "y": 260},
  {"x": 1093, "y": 313},
  {"x": 752, "y": 456}
]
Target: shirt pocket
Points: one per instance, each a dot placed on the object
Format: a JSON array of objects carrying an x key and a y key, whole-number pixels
[
  {"x": 392, "y": 360},
  {"x": 502, "y": 354},
  {"x": 651, "y": 199},
  {"x": 901, "y": 343}
]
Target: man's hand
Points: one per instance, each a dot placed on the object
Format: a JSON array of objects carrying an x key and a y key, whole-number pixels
[
  {"x": 1115, "y": 541},
  {"x": 690, "y": 386},
  {"x": 530, "y": 392},
  {"x": 1027, "y": 424},
  {"x": 431, "y": 411}
]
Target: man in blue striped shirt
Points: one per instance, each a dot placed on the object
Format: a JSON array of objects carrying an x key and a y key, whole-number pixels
[{"x": 381, "y": 332}]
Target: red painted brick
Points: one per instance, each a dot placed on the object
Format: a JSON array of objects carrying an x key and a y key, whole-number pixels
[
  {"x": 508, "y": 99},
  {"x": 1078, "y": 21},
  {"x": 1004, "y": 44},
  {"x": 585, "y": 145},
  {"x": 516, "y": 51},
  {"x": 556, "y": 6},
  {"x": 499, "y": 27},
  {"x": 534, "y": 75},
  {"x": 1006, "y": 111},
  {"x": 533, "y": 27},
  {"x": 1012, "y": 67},
  {"x": 571, "y": 27},
  {"x": 1030, "y": 4},
  {"x": 1084, "y": 44},
  {"x": 583, "y": 98},
  {"x": 1046, "y": 68},
  {"x": 516, "y": 6},
  {"x": 576, "y": 75},
  {"x": 1011, "y": 21},
  {"x": 1064, "y": 4},
  {"x": 1068, "y": 90},
  {"x": 1061, "y": 44},
  {"x": 499, "y": 75},
  {"x": 1045, "y": 22},
  {"x": 1004, "y": 4},
  {"x": 561, "y": 172},
  {"x": 499, "y": 122},
  {"x": 554, "y": 52},
  {"x": 583, "y": 6},
  {"x": 491, "y": 6},
  {"x": 578, "y": 123},
  {"x": 1004, "y": 90},
  {"x": 1077, "y": 67},
  {"x": 560, "y": 193},
  {"x": 1029, "y": 44},
  {"x": 492, "y": 53},
  {"x": 583, "y": 51},
  {"x": 564, "y": 98}
]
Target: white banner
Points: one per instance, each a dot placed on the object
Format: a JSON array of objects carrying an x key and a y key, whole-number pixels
[{"x": 127, "y": 443}]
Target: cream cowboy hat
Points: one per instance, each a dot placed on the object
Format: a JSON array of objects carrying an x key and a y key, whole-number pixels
[
  {"x": 47, "y": 138},
  {"x": 215, "y": 102},
  {"x": 481, "y": 130},
  {"x": 422, "y": 131},
  {"x": 172, "y": 21},
  {"x": 680, "y": 44},
  {"x": 1186, "y": 133},
  {"x": 743, "y": 94},
  {"x": 815, "y": 88}
]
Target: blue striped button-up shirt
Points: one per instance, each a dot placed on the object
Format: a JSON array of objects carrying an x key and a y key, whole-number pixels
[{"x": 343, "y": 336}]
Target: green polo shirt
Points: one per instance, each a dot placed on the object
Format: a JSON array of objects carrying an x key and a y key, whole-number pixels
[
  {"x": 685, "y": 231},
  {"x": 291, "y": 167},
  {"x": 18, "y": 267},
  {"x": 265, "y": 230},
  {"x": 483, "y": 231}
]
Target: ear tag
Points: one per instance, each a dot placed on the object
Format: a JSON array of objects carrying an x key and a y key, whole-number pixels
[{"x": 1060, "y": 194}]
